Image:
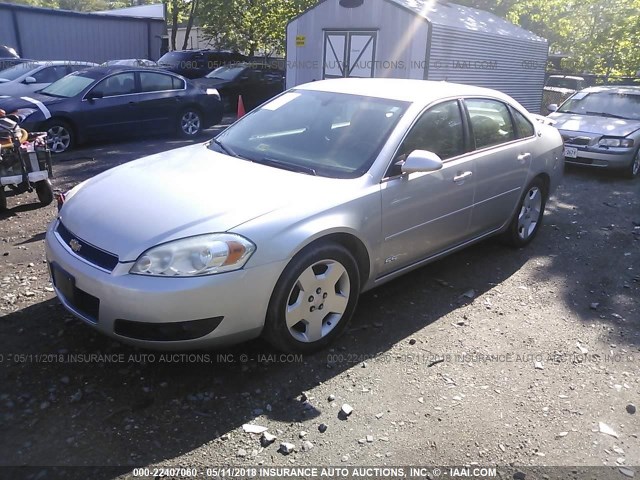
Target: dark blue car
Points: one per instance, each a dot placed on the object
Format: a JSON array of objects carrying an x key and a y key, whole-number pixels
[{"x": 114, "y": 102}]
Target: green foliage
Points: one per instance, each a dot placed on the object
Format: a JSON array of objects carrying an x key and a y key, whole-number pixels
[
  {"x": 250, "y": 26},
  {"x": 600, "y": 36}
]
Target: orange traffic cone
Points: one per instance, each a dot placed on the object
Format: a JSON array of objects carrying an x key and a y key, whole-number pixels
[{"x": 241, "y": 110}]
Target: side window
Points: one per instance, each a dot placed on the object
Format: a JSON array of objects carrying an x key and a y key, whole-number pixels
[
  {"x": 178, "y": 84},
  {"x": 490, "y": 122},
  {"x": 155, "y": 82},
  {"x": 524, "y": 127},
  {"x": 438, "y": 130},
  {"x": 120, "y": 84},
  {"x": 50, "y": 74}
]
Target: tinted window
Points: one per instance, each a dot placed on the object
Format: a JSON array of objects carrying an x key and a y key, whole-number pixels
[
  {"x": 50, "y": 74},
  {"x": 490, "y": 122},
  {"x": 155, "y": 82},
  {"x": 438, "y": 130},
  {"x": 178, "y": 83},
  {"x": 525, "y": 129},
  {"x": 120, "y": 84}
]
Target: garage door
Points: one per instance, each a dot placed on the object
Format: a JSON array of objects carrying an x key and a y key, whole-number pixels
[{"x": 349, "y": 54}]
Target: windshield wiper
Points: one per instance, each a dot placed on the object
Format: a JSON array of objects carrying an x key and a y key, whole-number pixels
[
  {"x": 272, "y": 162},
  {"x": 225, "y": 149},
  {"x": 606, "y": 114}
]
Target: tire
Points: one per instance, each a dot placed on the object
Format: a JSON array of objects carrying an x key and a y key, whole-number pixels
[
  {"x": 60, "y": 136},
  {"x": 45, "y": 192},
  {"x": 633, "y": 170},
  {"x": 189, "y": 123},
  {"x": 3, "y": 200},
  {"x": 527, "y": 220},
  {"x": 303, "y": 298}
]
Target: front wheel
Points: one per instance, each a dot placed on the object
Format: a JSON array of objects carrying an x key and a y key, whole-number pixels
[
  {"x": 633, "y": 170},
  {"x": 189, "y": 123},
  {"x": 313, "y": 300},
  {"x": 528, "y": 218},
  {"x": 60, "y": 136},
  {"x": 45, "y": 192}
]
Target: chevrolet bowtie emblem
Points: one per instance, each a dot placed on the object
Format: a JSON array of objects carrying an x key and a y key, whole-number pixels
[{"x": 75, "y": 245}]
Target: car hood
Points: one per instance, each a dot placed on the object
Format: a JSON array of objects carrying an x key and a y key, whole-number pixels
[
  {"x": 184, "y": 192},
  {"x": 212, "y": 82},
  {"x": 593, "y": 124},
  {"x": 11, "y": 104}
]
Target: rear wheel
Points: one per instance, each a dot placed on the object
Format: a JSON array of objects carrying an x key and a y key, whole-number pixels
[
  {"x": 189, "y": 123},
  {"x": 60, "y": 136},
  {"x": 313, "y": 300},
  {"x": 633, "y": 170},
  {"x": 45, "y": 192},
  {"x": 528, "y": 218},
  {"x": 3, "y": 199}
]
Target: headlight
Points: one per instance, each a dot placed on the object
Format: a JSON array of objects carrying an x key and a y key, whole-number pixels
[
  {"x": 23, "y": 113},
  {"x": 214, "y": 92},
  {"x": 194, "y": 256},
  {"x": 615, "y": 142}
]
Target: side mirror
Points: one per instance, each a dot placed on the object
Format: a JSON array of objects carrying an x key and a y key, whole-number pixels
[
  {"x": 93, "y": 95},
  {"x": 552, "y": 107},
  {"x": 421, "y": 161},
  {"x": 30, "y": 80}
]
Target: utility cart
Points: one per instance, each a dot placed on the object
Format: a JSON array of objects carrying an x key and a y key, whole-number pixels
[{"x": 25, "y": 162}]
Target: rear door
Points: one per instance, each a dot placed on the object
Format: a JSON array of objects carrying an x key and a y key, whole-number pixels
[
  {"x": 503, "y": 150},
  {"x": 427, "y": 213},
  {"x": 161, "y": 97}
]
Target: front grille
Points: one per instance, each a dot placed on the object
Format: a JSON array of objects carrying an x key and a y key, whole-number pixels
[
  {"x": 576, "y": 140},
  {"x": 90, "y": 253}
]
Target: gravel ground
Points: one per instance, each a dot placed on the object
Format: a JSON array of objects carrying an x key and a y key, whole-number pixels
[{"x": 493, "y": 357}]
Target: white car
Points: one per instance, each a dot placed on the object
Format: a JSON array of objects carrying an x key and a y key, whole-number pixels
[
  {"x": 29, "y": 77},
  {"x": 277, "y": 225}
]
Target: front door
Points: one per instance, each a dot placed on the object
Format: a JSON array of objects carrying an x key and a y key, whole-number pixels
[
  {"x": 349, "y": 54},
  {"x": 426, "y": 213}
]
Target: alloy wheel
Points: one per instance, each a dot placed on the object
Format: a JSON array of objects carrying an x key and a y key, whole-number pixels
[
  {"x": 190, "y": 123},
  {"x": 58, "y": 139}
]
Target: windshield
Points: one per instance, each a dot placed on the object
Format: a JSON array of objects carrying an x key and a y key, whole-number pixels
[
  {"x": 226, "y": 73},
  {"x": 329, "y": 134},
  {"x": 68, "y": 86},
  {"x": 570, "y": 83},
  {"x": 613, "y": 104},
  {"x": 16, "y": 71},
  {"x": 173, "y": 58}
]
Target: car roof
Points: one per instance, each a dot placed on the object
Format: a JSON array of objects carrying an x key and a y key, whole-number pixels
[
  {"x": 630, "y": 89},
  {"x": 400, "y": 89},
  {"x": 105, "y": 70}
]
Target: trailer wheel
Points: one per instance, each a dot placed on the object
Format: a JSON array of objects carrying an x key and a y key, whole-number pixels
[
  {"x": 3, "y": 199},
  {"x": 45, "y": 192}
]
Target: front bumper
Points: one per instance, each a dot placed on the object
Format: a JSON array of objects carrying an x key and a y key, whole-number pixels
[
  {"x": 241, "y": 298},
  {"x": 594, "y": 156}
]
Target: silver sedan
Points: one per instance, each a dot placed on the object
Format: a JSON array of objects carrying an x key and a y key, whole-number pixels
[
  {"x": 601, "y": 128},
  {"x": 275, "y": 227}
]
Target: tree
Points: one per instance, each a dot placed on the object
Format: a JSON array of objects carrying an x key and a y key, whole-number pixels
[{"x": 250, "y": 26}]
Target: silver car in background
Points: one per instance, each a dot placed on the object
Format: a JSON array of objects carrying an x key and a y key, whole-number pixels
[
  {"x": 34, "y": 75},
  {"x": 277, "y": 225},
  {"x": 601, "y": 128}
]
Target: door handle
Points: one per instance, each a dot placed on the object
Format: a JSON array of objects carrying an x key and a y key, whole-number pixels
[
  {"x": 461, "y": 177},
  {"x": 524, "y": 157}
]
